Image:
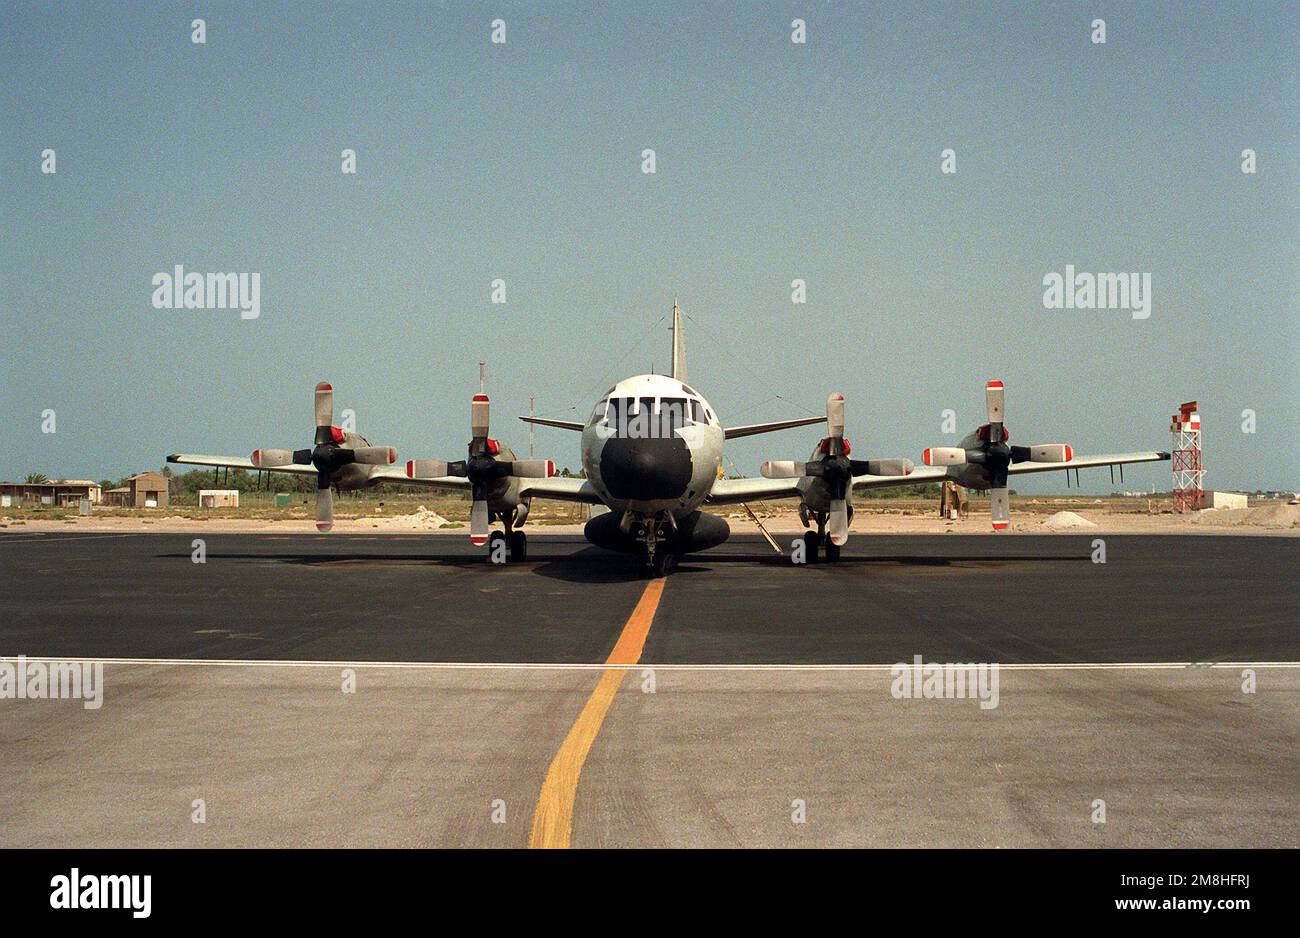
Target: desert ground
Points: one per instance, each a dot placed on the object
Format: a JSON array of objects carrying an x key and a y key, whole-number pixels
[{"x": 402, "y": 514}]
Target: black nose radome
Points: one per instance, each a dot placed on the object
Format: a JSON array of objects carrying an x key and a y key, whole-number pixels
[{"x": 646, "y": 469}]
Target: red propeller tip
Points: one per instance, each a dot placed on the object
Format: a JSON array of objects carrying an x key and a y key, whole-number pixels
[
  {"x": 324, "y": 386},
  {"x": 392, "y": 455},
  {"x": 925, "y": 457},
  {"x": 1069, "y": 453},
  {"x": 257, "y": 455},
  {"x": 478, "y": 541},
  {"x": 410, "y": 468},
  {"x": 999, "y": 525},
  {"x": 480, "y": 397},
  {"x": 994, "y": 384},
  {"x": 323, "y": 525},
  {"x": 550, "y": 468}
]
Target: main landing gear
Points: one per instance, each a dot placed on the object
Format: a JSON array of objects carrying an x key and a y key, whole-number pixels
[
  {"x": 515, "y": 545},
  {"x": 510, "y": 544},
  {"x": 817, "y": 541}
]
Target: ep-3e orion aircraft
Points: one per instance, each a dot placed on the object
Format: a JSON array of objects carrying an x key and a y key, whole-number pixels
[{"x": 652, "y": 456}]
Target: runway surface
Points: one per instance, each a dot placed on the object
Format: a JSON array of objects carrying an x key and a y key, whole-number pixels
[
  {"x": 754, "y": 704},
  {"x": 400, "y": 598}
]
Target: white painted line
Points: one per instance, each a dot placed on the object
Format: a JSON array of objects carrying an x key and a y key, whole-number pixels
[{"x": 601, "y": 666}]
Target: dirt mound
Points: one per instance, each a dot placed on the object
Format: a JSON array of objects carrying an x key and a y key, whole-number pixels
[
  {"x": 1064, "y": 520},
  {"x": 1275, "y": 515},
  {"x": 422, "y": 519}
]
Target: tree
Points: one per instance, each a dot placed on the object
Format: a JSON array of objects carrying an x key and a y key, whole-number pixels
[{"x": 36, "y": 478}]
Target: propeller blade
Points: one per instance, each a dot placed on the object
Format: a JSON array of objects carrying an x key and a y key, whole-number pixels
[
  {"x": 837, "y": 525},
  {"x": 994, "y": 394},
  {"x": 944, "y": 456},
  {"x": 375, "y": 455},
  {"x": 324, "y": 405},
  {"x": 426, "y": 469},
  {"x": 531, "y": 468},
  {"x": 835, "y": 415},
  {"x": 1000, "y": 508},
  {"x": 784, "y": 469},
  {"x": 882, "y": 467},
  {"x": 269, "y": 458},
  {"x": 478, "y": 523},
  {"x": 324, "y": 507},
  {"x": 1042, "y": 452},
  {"x": 478, "y": 416}
]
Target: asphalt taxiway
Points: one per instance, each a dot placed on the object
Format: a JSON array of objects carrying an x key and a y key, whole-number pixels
[{"x": 753, "y": 704}]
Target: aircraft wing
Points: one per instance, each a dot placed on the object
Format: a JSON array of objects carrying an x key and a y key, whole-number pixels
[
  {"x": 237, "y": 462},
  {"x": 733, "y": 491},
  {"x": 551, "y": 422},
  {"x": 751, "y": 429},
  {"x": 560, "y": 489},
  {"x": 399, "y": 477},
  {"x": 557, "y": 488},
  {"x": 1086, "y": 462},
  {"x": 917, "y": 475}
]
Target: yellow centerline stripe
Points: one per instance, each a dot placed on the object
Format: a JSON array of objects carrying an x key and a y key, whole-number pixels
[{"x": 553, "y": 819}]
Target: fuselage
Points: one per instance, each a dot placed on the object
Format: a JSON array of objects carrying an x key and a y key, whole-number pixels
[{"x": 652, "y": 445}]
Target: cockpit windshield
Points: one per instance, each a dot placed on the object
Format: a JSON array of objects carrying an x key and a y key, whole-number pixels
[{"x": 649, "y": 417}]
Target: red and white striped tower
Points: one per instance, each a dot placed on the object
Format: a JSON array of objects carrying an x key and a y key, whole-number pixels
[{"x": 1189, "y": 471}]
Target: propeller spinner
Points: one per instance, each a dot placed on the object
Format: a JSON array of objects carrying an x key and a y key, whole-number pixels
[
  {"x": 995, "y": 456},
  {"x": 328, "y": 456}
]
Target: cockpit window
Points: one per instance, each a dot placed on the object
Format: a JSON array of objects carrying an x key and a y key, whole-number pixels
[
  {"x": 672, "y": 415},
  {"x": 650, "y": 418},
  {"x": 620, "y": 410}
]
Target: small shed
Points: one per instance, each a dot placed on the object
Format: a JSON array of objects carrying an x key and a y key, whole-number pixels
[
  {"x": 218, "y": 498},
  {"x": 1223, "y": 500},
  {"x": 142, "y": 490}
]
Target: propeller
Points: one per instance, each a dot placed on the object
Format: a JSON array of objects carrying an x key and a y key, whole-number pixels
[
  {"x": 482, "y": 468},
  {"x": 836, "y": 469},
  {"x": 328, "y": 456},
  {"x": 995, "y": 456}
]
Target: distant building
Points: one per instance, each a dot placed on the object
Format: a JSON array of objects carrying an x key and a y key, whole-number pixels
[
  {"x": 218, "y": 498},
  {"x": 1223, "y": 500},
  {"x": 143, "y": 490},
  {"x": 64, "y": 492}
]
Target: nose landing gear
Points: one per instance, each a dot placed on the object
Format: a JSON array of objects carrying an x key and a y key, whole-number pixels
[{"x": 657, "y": 561}]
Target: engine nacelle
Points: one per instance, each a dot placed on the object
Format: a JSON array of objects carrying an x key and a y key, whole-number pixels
[
  {"x": 353, "y": 476},
  {"x": 697, "y": 531}
]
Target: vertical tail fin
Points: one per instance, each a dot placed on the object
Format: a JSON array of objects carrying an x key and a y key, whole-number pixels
[{"x": 679, "y": 345}]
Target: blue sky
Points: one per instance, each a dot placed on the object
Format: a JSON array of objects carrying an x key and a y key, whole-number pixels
[{"x": 521, "y": 161}]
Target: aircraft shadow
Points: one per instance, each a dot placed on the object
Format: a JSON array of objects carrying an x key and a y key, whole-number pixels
[{"x": 593, "y": 565}]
